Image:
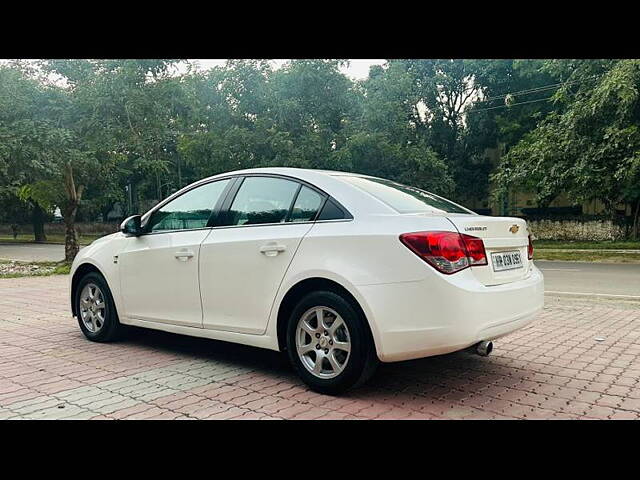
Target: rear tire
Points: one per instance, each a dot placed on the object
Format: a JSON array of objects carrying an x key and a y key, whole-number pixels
[
  {"x": 329, "y": 343},
  {"x": 95, "y": 309}
]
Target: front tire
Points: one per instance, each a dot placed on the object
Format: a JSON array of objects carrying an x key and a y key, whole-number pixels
[
  {"x": 95, "y": 309},
  {"x": 329, "y": 343}
]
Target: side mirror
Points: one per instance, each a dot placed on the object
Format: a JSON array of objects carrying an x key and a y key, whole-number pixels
[{"x": 132, "y": 226}]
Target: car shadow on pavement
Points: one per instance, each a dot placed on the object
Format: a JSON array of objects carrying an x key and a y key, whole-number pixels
[
  {"x": 203, "y": 348},
  {"x": 444, "y": 378}
]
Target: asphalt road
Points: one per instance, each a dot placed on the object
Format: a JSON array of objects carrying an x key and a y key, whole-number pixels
[
  {"x": 595, "y": 279},
  {"x": 29, "y": 252},
  {"x": 563, "y": 278}
]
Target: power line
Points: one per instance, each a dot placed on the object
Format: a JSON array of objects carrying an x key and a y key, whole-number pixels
[
  {"x": 512, "y": 105},
  {"x": 528, "y": 101},
  {"x": 523, "y": 92},
  {"x": 537, "y": 89}
]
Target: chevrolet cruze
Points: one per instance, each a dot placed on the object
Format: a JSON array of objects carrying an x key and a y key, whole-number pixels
[{"x": 339, "y": 270}]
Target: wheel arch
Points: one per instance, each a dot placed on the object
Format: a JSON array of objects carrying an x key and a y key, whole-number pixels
[
  {"x": 302, "y": 288},
  {"x": 80, "y": 272}
]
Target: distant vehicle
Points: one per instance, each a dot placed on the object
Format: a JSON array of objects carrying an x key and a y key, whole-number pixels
[{"x": 340, "y": 270}]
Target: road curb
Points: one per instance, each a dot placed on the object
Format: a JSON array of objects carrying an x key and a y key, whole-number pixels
[
  {"x": 591, "y": 295},
  {"x": 588, "y": 250}
]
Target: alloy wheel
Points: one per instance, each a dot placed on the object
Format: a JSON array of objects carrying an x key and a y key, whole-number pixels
[
  {"x": 323, "y": 342},
  {"x": 92, "y": 307}
]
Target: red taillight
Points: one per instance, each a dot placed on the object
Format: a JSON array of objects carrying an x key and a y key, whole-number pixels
[
  {"x": 530, "y": 249},
  {"x": 448, "y": 252},
  {"x": 475, "y": 249}
]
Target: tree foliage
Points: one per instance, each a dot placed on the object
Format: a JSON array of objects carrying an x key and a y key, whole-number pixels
[
  {"x": 590, "y": 147},
  {"x": 85, "y": 135}
]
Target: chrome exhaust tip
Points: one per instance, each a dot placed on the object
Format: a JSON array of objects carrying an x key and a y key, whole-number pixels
[{"x": 484, "y": 348}]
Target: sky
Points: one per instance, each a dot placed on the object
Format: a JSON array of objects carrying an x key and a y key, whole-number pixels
[{"x": 358, "y": 69}]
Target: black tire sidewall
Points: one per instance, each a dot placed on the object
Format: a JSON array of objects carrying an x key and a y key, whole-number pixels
[
  {"x": 110, "y": 329},
  {"x": 361, "y": 343}
]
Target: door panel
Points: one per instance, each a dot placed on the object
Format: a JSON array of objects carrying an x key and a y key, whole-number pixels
[
  {"x": 159, "y": 277},
  {"x": 241, "y": 269},
  {"x": 159, "y": 270}
]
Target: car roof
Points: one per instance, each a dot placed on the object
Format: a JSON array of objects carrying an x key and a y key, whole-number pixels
[
  {"x": 352, "y": 198},
  {"x": 301, "y": 173}
]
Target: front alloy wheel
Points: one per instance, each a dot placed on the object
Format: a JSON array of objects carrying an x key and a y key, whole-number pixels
[
  {"x": 95, "y": 309},
  {"x": 92, "y": 307}
]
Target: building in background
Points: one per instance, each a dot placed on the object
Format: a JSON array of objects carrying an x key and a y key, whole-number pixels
[{"x": 523, "y": 203}]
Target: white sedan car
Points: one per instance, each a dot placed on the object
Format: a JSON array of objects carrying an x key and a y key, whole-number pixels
[{"x": 338, "y": 269}]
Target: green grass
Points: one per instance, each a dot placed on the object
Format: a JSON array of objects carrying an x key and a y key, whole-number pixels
[
  {"x": 595, "y": 256},
  {"x": 44, "y": 269},
  {"x": 55, "y": 238},
  {"x": 625, "y": 245},
  {"x": 63, "y": 268}
]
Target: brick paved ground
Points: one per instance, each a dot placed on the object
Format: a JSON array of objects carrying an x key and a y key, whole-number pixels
[{"x": 552, "y": 369}]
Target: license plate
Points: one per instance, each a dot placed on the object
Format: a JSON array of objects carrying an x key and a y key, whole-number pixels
[{"x": 506, "y": 261}]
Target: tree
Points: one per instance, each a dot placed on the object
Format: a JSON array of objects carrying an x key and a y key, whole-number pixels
[
  {"x": 512, "y": 99},
  {"x": 28, "y": 137},
  {"x": 421, "y": 105},
  {"x": 84, "y": 135},
  {"x": 590, "y": 148},
  {"x": 379, "y": 155},
  {"x": 226, "y": 125},
  {"x": 386, "y": 134},
  {"x": 13, "y": 211},
  {"x": 247, "y": 115},
  {"x": 119, "y": 114}
]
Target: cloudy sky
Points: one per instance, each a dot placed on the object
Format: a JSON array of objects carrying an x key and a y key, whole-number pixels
[{"x": 357, "y": 69}]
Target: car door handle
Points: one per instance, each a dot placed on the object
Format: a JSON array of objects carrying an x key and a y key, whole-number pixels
[
  {"x": 272, "y": 249},
  {"x": 184, "y": 255}
]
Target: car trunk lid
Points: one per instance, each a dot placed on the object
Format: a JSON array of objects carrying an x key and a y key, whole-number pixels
[{"x": 505, "y": 240}]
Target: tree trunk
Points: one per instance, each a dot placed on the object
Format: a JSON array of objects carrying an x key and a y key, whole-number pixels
[
  {"x": 105, "y": 211},
  {"x": 71, "y": 246},
  {"x": 609, "y": 209},
  {"x": 158, "y": 187},
  {"x": 179, "y": 173},
  {"x": 635, "y": 230},
  {"x": 38, "y": 223}
]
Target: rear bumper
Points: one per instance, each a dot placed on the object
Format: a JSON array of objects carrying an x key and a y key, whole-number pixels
[{"x": 443, "y": 314}]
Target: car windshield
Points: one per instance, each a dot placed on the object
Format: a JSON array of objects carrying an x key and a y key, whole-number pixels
[{"x": 403, "y": 198}]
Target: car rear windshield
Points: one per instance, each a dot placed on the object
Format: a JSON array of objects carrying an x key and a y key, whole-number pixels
[{"x": 403, "y": 198}]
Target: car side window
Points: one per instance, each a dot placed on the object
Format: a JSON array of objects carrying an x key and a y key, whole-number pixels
[
  {"x": 306, "y": 206},
  {"x": 262, "y": 200},
  {"x": 190, "y": 210}
]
